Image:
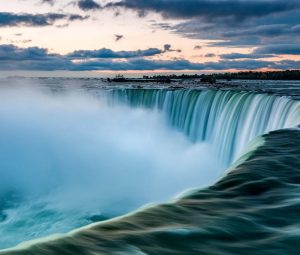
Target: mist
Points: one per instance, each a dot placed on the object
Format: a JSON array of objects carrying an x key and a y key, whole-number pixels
[{"x": 73, "y": 156}]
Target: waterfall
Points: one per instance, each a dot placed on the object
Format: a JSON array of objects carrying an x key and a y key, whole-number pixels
[
  {"x": 229, "y": 120},
  {"x": 69, "y": 159}
]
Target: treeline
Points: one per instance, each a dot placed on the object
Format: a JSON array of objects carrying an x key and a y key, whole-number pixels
[
  {"x": 248, "y": 75},
  {"x": 175, "y": 76},
  {"x": 270, "y": 75}
]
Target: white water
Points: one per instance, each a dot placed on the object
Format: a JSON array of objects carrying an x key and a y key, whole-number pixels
[
  {"x": 70, "y": 156},
  {"x": 228, "y": 120}
]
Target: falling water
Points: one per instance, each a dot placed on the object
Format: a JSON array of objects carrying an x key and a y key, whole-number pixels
[
  {"x": 228, "y": 120},
  {"x": 69, "y": 159}
]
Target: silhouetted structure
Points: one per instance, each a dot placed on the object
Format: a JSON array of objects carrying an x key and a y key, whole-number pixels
[{"x": 212, "y": 78}]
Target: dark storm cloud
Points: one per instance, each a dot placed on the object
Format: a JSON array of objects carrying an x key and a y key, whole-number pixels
[
  {"x": 33, "y": 58},
  {"x": 207, "y": 9},
  {"x": 232, "y": 23},
  {"x": 240, "y": 33},
  {"x": 24, "y": 19},
  {"x": 88, "y": 5}
]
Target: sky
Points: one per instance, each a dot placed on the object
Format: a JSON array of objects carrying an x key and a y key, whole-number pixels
[{"x": 149, "y": 35}]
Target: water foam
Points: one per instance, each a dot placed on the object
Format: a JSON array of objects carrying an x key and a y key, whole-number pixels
[{"x": 68, "y": 158}]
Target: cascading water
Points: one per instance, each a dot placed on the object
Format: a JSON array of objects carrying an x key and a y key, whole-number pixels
[
  {"x": 68, "y": 159},
  {"x": 228, "y": 120}
]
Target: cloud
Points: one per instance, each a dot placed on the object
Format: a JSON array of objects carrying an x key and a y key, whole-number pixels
[
  {"x": 21, "y": 41},
  {"x": 197, "y": 47},
  {"x": 11, "y": 52},
  {"x": 267, "y": 51},
  {"x": 34, "y": 58},
  {"x": 207, "y": 9},
  {"x": 108, "y": 53},
  {"x": 248, "y": 33},
  {"x": 168, "y": 48},
  {"x": 209, "y": 55},
  {"x": 51, "y": 2},
  {"x": 88, "y": 5},
  {"x": 226, "y": 23},
  {"x": 245, "y": 56},
  {"x": 25, "y": 19},
  {"x": 271, "y": 30},
  {"x": 284, "y": 49}
]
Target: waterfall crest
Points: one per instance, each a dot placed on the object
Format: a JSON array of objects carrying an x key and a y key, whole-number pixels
[{"x": 227, "y": 119}]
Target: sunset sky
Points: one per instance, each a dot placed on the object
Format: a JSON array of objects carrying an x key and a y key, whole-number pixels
[{"x": 144, "y": 35}]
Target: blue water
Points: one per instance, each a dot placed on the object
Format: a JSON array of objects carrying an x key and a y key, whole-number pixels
[
  {"x": 68, "y": 159},
  {"x": 74, "y": 155}
]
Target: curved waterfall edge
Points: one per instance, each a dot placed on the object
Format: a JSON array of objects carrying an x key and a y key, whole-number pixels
[
  {"x": 204, "y": 213},
  {"x": 182, "y": 111}
]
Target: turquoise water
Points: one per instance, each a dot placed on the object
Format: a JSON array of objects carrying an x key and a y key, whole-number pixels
[
  {"x": 253, "y": 209},
  {"x": 71, "y": 158},
  {"x": 228, "y": 120}
]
